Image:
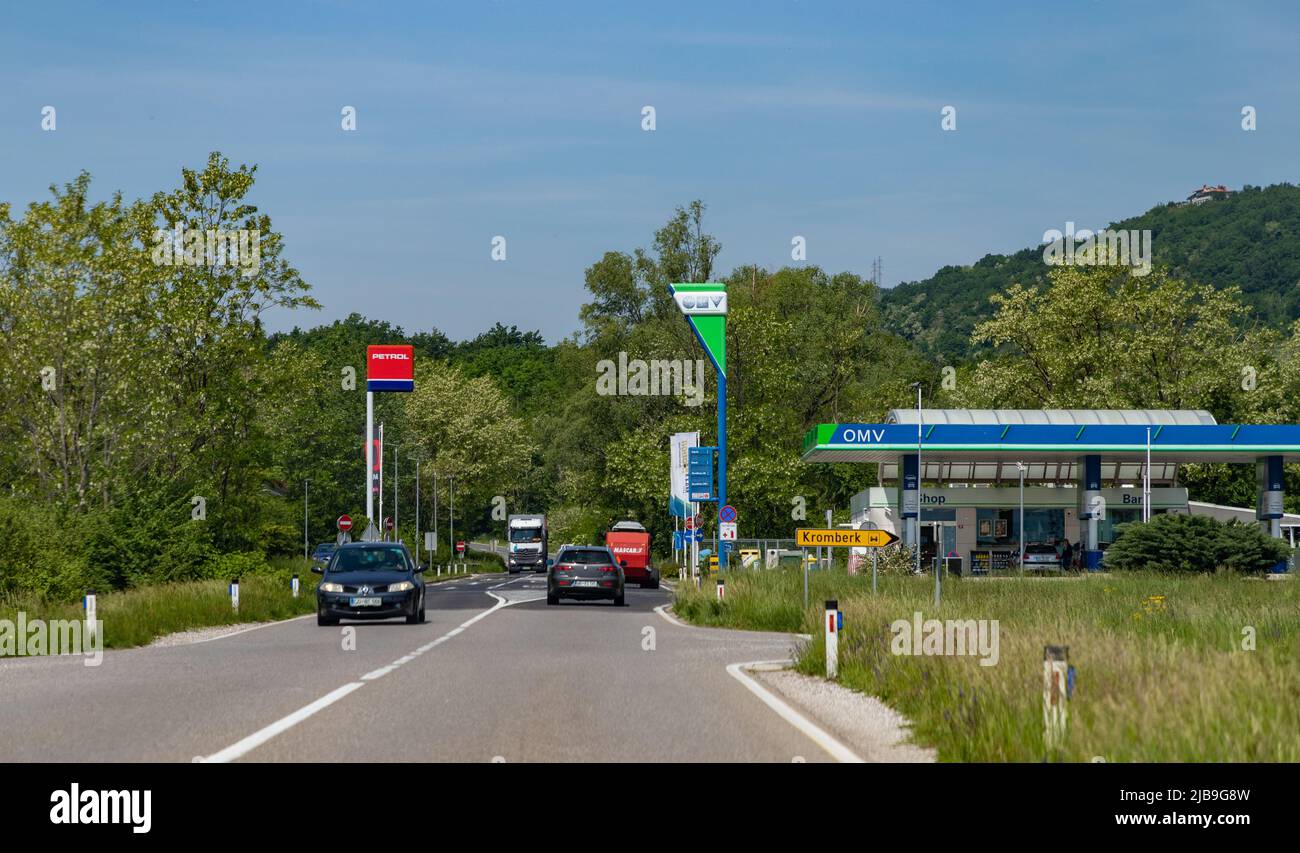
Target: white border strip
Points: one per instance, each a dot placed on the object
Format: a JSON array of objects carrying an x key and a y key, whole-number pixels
[{"x": 815, "y": 733}]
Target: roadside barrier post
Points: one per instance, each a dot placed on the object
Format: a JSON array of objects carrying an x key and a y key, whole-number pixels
[
  {"x": 234, "y": 595},
  {"x": 1055, "y": 692},
  {"x": 294, "y": 585},
  {"x": 89, "y": 604},
  {"x": 804, "y": 559},
  {"x": 722, "y": 589},
  {"x": 834, "y": 621}
]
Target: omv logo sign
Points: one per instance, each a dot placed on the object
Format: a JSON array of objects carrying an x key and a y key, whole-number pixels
[{"x": 702, "y": 301}]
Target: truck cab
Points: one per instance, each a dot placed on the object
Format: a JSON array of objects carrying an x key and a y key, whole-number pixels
[
  {"x": 630, "y": 542},
  {"x": 526, "y": 543}
]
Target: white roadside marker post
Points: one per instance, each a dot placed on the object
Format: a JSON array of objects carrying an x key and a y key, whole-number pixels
[
  {"x": 722, "y": 589},
  {"x": 234, "y": 595},
  {"x": 294, "y": 586},
  {"x": 89, "y": 604},
  {"x": 833, "y": 625},
  {"x": 1055, "y": 692}
]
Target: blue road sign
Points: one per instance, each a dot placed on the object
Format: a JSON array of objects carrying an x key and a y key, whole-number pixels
[
  {"x": 699, "y": 473},
  {"x": 727, "y": 513}
]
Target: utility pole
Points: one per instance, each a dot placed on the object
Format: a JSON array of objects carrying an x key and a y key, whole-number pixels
[
  {"x": 395, "y": 527},
  {"x": 305, "y": 553},
  {"x": 435, "y": 514},
  {"x": 451, "y": 513},
  {"x": 417, "y": 511}
]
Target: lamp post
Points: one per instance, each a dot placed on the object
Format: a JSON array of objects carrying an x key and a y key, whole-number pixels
[
  {"x": 1020, "y": 466},
  {"x": 919, "y": 478},
  {"x": 1146, "y": 482},
  {"x": 305, "y": 547}
]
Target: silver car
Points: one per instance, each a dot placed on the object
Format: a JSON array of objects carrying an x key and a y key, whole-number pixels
[{"x": 1041, "y": 556}]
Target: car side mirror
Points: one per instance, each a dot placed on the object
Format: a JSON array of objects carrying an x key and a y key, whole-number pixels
[
  {"x": 318, "y": 570},
  {"x": 423, "y": 567},
  {"x": 549, "y": 562},
  {"x": 623, "y": 563}
]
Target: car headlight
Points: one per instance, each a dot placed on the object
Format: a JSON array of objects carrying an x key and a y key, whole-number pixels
[
  {"x": 400, "y": 586},
  {"x": 331, "y": 587}
]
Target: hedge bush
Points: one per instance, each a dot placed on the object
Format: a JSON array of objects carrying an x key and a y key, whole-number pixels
[{"x": 1194, "y": 543}]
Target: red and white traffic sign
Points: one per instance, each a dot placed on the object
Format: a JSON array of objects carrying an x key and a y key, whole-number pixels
[
  {"x": 690, "y": 522},
  {"x": 388, "y": 523},
  {"x": 345, "y": 522}
]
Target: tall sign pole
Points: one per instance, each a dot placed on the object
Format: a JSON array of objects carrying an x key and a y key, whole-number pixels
[
  {"x": 388, "y": 368},
  {"x": 370, "y": 456},
  {"x": 705, "y": 307}
]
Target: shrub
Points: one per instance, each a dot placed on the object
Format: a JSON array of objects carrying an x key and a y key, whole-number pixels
[{"x": 1194, "y": 543}]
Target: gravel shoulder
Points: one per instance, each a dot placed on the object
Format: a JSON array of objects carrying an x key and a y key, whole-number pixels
[{"x": 876, "y": 732}]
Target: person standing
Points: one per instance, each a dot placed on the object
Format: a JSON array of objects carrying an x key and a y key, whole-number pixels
[{"x": 1067, "y": 555}]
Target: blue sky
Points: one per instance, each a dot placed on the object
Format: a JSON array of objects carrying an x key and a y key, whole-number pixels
[{"x": 524, "y": 120}]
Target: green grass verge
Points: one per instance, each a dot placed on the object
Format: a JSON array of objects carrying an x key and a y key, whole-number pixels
[
  {"x": 135, "y": 617},
  {"x": 1162, "y": 674}
]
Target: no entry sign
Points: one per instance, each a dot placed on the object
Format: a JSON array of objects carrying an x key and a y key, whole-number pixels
[
  {"x": 390, "y": 368},
  {"x": 345, "y": 522}
]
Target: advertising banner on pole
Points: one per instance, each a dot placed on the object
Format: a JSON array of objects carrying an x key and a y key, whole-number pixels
[
  {"x": 679, "y": 503},
  {"x": 377, "y": 461}
]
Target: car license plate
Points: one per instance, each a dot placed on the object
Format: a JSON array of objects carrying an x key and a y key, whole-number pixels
[
  {"x": 366, "y": 602},
  {"x": 584, "y": 583}
]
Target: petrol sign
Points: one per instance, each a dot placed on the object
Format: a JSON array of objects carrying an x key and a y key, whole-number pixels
[{"x": 390, "y": 368}]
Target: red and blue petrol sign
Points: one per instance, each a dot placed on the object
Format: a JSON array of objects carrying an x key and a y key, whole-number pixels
[{"x": 390, "y": 367}]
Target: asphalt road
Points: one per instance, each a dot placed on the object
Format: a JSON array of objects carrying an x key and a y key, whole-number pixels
[{"x": 494, "y": 675}]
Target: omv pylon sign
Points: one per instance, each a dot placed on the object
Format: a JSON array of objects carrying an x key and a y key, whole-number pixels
[{"x": 390, "y": 368}]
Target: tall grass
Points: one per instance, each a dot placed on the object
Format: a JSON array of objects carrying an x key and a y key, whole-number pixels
[
  {"x": 135, "y": 617},
  {"x": 1162, "y": 671}
]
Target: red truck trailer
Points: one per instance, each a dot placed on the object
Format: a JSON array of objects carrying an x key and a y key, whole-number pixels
[{"x": 630, "y": 542}]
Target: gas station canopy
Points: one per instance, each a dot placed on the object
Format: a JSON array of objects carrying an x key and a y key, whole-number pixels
[{"x": 984, "y": 445}]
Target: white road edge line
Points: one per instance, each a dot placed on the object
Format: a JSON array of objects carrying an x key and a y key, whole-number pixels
[
  {"x": 662, "y": 610},
  {"x": 261, "y": 736},
  {"x": 816, "y": 733},
  {"x": 232, "y": 633}
]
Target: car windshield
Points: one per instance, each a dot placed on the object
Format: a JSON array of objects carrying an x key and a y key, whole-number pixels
[
  {"x": 325, "y": 549},
  {"x": 585, "y": 556},
  {"x": 1040, "y": 549},
  {"x": 525, "y": 534},
  {"x": 369, "y": 559}
]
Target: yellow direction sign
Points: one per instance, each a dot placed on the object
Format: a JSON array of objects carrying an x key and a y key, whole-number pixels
[{"x": 844, "y": 538}]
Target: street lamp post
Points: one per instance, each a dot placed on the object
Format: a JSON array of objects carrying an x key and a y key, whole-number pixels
[
  {"x": 1146, "y": 482},
  {"x": 305, "y": 547},
  {"x": 919, "y": 479},
  {"x": 1020, "y": 466}
]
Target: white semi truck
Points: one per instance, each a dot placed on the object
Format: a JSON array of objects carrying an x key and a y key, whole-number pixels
[{"x": 526, "y": 543}]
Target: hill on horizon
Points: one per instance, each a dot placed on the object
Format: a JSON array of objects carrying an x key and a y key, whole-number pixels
[{"x": 1250, "y": 239}]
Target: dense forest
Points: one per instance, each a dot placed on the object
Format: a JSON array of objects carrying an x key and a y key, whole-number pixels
[{"x": 152, "y": 430}]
